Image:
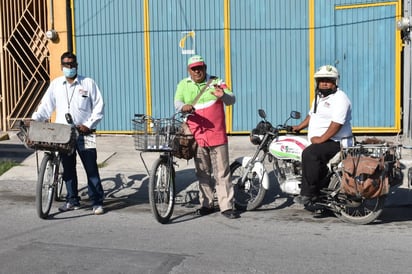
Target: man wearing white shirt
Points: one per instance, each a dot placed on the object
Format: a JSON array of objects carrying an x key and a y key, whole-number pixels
[
  {"x": 329, "y": 123},
  {"x": 81, "y": 97}
]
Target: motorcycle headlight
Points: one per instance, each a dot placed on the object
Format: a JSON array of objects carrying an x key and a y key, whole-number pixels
[{"x": 255, "y": 139}]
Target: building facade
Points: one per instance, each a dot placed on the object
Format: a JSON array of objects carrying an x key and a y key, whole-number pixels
[{"x": 267, "y": 51}]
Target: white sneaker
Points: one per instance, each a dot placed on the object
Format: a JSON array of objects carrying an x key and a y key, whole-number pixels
[
  {"x": 98, "y": 210},
  {"x": 68, "y": 207}
]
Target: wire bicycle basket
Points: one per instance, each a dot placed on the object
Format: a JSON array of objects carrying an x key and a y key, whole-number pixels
[{"x": 154, "y": 135}]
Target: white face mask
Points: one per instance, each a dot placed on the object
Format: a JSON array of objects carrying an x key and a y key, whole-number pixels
[{"x": 69, "y": 72}]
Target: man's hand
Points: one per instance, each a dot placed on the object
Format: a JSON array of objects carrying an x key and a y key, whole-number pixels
[
  {"x": 27, "y": 121},
  {"x": 188, "y": 108},
  {"x": 295, "y": 129},
  {"x": 332, "y": 130},
  {"x": 316, "y": 140},
  {"x": 218, "y": 92},
  {"x": 84, "y": 130}
]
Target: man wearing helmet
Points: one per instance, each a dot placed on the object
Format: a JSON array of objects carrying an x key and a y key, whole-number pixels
[{"x": 328, "y": 124}]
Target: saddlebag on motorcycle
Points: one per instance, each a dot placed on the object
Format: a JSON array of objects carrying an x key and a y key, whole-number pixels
[
  {"x": 364, "y": 176},
  {"x": 184, "y": 143}
]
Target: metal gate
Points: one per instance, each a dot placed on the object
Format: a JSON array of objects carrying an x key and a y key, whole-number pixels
[{"x": 24, "y": 63}]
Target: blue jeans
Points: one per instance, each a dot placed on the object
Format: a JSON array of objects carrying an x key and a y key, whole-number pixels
[{"x": 94, "y": 184}]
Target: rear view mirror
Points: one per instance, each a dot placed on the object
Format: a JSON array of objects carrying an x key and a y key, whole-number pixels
[
  {"x": 262, "y": 113},
  {"x": 295, "y": 114}
]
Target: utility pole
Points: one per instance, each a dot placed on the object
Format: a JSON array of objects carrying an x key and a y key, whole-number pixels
[{"x": 404, "y": 25}]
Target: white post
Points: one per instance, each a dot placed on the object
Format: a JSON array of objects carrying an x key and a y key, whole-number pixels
[{"x": 407, "y": 88}]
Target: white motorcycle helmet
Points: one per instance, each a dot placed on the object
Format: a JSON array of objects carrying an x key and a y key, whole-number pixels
[{"x": 327, "y": 71}]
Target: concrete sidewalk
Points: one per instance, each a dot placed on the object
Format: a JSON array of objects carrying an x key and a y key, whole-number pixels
[{"x": 123, "y": 170}]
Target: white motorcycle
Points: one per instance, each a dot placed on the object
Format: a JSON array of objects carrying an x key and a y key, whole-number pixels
[{"x": 251, "y": 179}]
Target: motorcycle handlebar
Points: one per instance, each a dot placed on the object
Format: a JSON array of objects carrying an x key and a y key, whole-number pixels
[{"x": 289, "y": 129}]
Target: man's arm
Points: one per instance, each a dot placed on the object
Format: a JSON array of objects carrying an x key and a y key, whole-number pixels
[
  {"x": 302, "y": 125},
  {"x": 330, "y": 132},
  {"x": 46, "y": 107}
]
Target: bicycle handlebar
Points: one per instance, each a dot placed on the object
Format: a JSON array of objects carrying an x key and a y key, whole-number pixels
[{"x": 142, "y": 116}]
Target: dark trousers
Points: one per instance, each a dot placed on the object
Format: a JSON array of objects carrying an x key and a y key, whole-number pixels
[
  {"x": 89, "y": 161},
  {"x": 314, "y": 166}
]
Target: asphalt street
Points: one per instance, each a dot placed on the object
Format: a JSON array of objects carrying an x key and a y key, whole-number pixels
[{"x": 280, "y": 237}]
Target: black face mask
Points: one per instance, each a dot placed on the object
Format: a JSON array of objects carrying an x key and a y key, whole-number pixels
[{"x": 325, "y": 92}]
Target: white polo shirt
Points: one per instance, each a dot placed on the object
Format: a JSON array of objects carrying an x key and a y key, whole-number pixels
[{"x": 333, "y": 108}]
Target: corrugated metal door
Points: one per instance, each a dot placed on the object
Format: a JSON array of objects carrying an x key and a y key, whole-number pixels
[
  {"x": 110, "y": 49},
  {"x": 361, "y": 40},
  {"x": 366, "y": 56},
  {"x": 132, "y": 49},
  {"x": 169, "y": 21},
  {"x": 270, "y": 60}
]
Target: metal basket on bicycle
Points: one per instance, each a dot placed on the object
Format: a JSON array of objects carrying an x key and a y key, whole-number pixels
[
  {"x": 370, "y": 168},
  {"x": 376, "y": 150},
  {"x": 49, "y": 137},
  {"x": 154, "y": 134}
]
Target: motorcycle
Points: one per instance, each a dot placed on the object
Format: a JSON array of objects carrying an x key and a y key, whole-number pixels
[{"x": 251, "y": 179}]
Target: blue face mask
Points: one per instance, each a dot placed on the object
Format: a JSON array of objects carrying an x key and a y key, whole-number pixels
[{"x": 69, "y": 72}]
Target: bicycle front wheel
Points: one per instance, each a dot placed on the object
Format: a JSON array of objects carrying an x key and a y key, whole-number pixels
[
  {"x": 162, "y": 189},
  {"x": 45, "y": 185},
  {"x": 60, "y": 190}
]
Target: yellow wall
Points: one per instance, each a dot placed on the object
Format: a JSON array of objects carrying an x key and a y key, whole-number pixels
[{"x": 59, "y": 46}]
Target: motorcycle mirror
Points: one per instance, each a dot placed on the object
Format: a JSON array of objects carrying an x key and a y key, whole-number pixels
[
  {"x": 295, "y": 115},
  {"x": 262, "y": 113}
]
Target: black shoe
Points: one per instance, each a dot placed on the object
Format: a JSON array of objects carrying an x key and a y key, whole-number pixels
[
  {"x": 231, "y": 214},
  {"x": 203, "y": 211},
  {"x": 304, "y": 200}
]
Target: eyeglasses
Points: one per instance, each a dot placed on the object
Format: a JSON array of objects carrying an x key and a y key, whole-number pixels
[
  {"x": 197, "y": 68},
  {"x": 69, "y": 64}
]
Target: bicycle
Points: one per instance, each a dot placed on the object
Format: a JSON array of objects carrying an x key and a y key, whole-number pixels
[
  {"x": 54, "y": 139},
  {"x": 157, "y": 135}
]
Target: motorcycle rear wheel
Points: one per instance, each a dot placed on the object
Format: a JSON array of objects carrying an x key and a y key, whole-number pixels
[
  {"x": 361, "y": 212},
  {"x": 250, "y": 194}
]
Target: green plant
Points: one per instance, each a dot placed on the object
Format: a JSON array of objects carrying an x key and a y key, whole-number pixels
[{"x": 6, "y": 165}]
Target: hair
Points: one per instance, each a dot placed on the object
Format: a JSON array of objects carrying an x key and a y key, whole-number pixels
[{"x": 68, "y": 55}]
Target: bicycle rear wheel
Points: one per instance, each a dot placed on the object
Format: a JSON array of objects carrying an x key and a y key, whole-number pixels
[
  {"x": 162, "y": 189},
  {"x": 45, "y": 186},
  {"x": 357, "y": 211}
]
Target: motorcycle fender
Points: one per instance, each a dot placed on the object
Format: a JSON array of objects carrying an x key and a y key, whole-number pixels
[{"x": 258, "y": 168}]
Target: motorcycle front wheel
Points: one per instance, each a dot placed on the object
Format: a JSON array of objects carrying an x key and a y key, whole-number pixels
[
  {"x": 249, "y": 194},
  {"x": 356, "y": 211}
]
